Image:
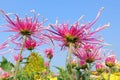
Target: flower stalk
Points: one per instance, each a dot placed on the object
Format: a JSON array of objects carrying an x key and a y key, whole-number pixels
[
  {"x": 18, "y": 62},
  {"x": 69, "y": 59},
  {"x": 48, "y": 68},
  {"x": 101, "y": 76},
  {"x": 89, "y": 70},
  {"x": 109, "y": 74},
  {"x": 78, "y": 73}
]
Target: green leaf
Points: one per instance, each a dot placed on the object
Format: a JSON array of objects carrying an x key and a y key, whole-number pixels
[
  {"x": 58, "y": 78},
  {"x": 4, "y": 60},
  {"x": 7, "y": 66}
]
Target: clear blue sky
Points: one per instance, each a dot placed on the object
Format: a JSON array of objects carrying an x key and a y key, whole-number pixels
[{"x": 71, "y": 10}]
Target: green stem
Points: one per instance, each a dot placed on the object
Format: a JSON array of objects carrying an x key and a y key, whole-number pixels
[
  {"x": 48, "y": 69},
  {"x": 109, "y": 74},
  {"x": 69, "y": 59},
  {"x": 49, "y": 65},
  {"x": 18, "y": 62},
  {"x": 31, "y": 51},
  {"x": 101, "y": 76},
  {"x": 24, "y": 39},
  {"x": 89, "y": 71},
  {"x": 84, "y": 76},
  {"x": 78, "y": 74}
]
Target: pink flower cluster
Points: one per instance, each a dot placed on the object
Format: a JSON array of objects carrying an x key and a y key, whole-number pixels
[
  {"x": 80, "y": 39},
  {"x": 110, "y": 62}
]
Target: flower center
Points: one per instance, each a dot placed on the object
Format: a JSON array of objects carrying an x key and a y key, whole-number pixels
[
  {"x": 30, "y": 48},
  {"x": 89, "y": 60},
  {"x": 110, "y": 64},
  {"x": 71, "y": 39},
  {"x": 88, "y": 50},
  {"x": 25, "y": 32}
]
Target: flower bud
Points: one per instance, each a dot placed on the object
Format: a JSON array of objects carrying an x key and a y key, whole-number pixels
[
  {"x": 82, "y": 64},
  {"x": 18, "y": 57},
  {"x": 73, "y": 63},
  {"x": 30, "y": 44},
  {"x": 46, "y": 64},
  {"x": 49, "y": 53},
  {"x": 100, "y": 68},
  {"x": 110, "y": 61},
  {"x": 4, "y": 75}
]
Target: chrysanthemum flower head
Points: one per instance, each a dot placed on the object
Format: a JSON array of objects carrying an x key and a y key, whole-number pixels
[
  {"x": 30, "y": 44},
  {"x": 110, "y": 61},
  {"x": 100, "y": 68},
  {"x": 46, "y": 64},
  {"x": 28, "y": 27},
  {"x": 89, "y": 53},
  {"x": 74, "y": 63},
  {"x": 49, "y": 53},
  {"x": 82, "y": 64},
  {"x": 4, "y": 75},
  {"x": 76, "y": 33},
  {"x": 18, "y": 57}
]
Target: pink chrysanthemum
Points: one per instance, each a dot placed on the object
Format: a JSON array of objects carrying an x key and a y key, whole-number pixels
[
  {"x": 49, "y": 53},
  {"x": 74, "y": 63},
  {"x": 76, "y": 33},
  {"x": 31, "y": 44},
  {"x": 100, "y": 67},
  {"x": 82, "y": 64},
  {"x": 89, "y": 53},
  {"x": 18, "y": 57},
  {"x": 4, "y": 74},
  {"x": 110, "y": 61},
  {"x": 46, "y": 64},
  {"x": 27, "y": 26}
]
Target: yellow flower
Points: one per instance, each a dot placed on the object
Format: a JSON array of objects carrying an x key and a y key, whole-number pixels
[
  {"x": 115, "y": 76},
  {"x": 94, "y": 73},
  {"x": 54, "y": 78},
  {"x": 118, "y": 65}
]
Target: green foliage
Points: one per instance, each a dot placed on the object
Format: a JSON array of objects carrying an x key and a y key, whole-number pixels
[
  {"x": 114, "y": 69},
  {"x": 63, "y": 74},
  {"x": 6, "y": 65},
  {"x": 78, "y": 73}
]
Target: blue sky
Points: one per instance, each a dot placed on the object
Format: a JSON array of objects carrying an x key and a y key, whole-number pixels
[{"x": 71, "y": 10}]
